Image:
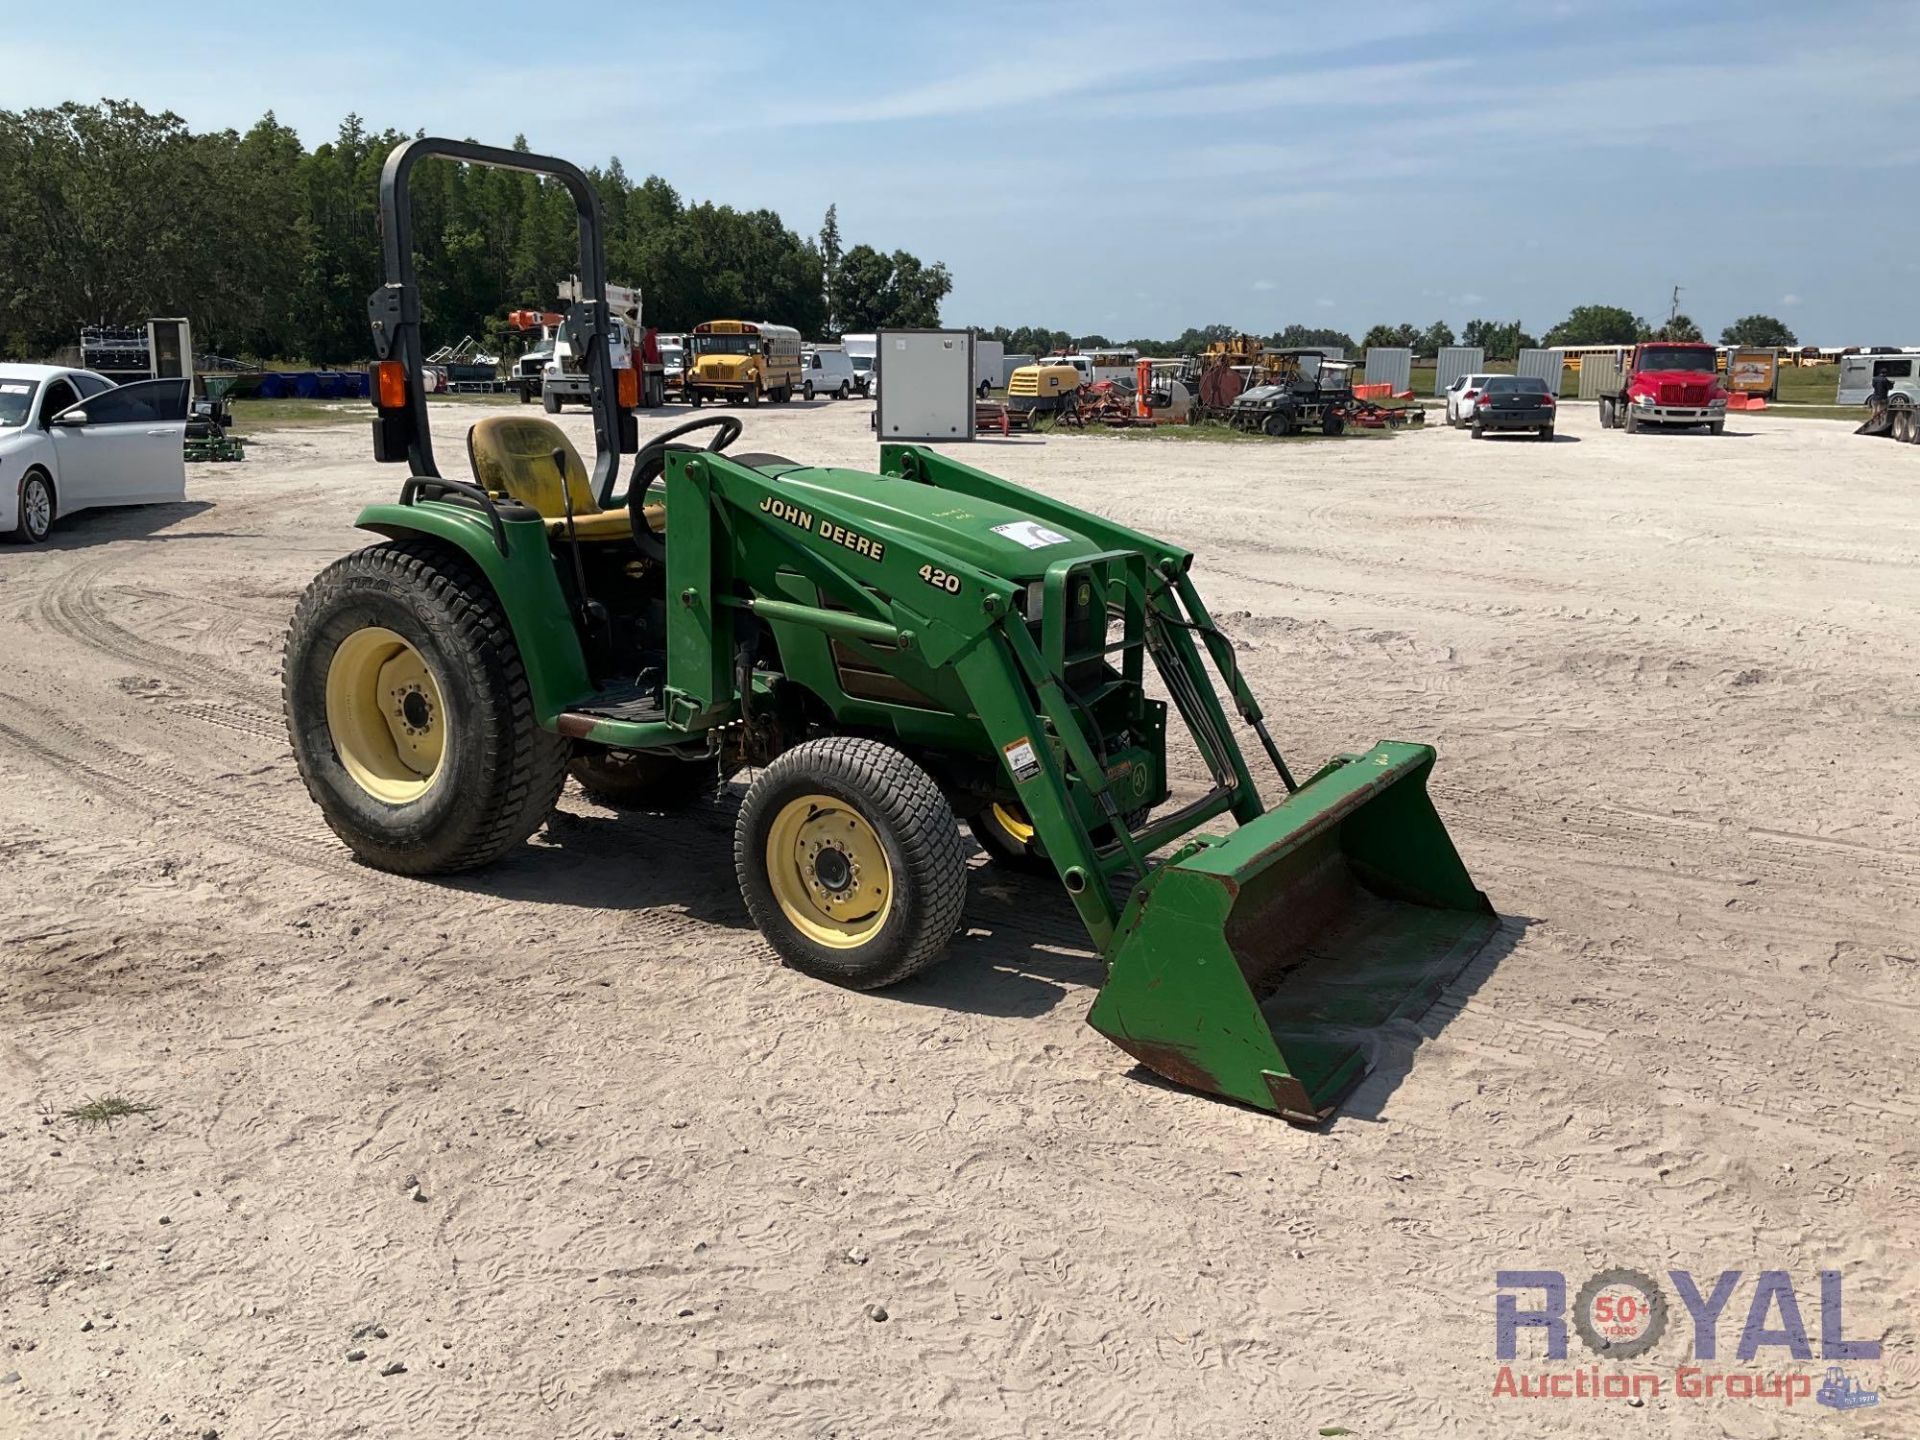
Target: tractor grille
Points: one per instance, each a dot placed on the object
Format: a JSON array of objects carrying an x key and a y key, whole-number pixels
[{"x": 1682, "y": 392}]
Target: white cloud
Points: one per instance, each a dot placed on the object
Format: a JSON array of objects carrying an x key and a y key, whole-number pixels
[
  {"x": 1789, "y": 299},
  {"x": 1324, "y": 303},
  {"x": 1264, "y": 285}
]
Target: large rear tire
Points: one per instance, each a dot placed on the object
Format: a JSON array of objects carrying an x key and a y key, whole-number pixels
[
  {"x": 410, "y": 713},
  {"x": 851, "y": 862},
  {"x": 1630, "y": 422},
  {"x": 1900, "y": 425}
]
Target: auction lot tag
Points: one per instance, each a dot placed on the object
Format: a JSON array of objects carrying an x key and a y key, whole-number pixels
[
  {"x": 1031, "y": 533},
  {"x": 1021, "y": 760}
]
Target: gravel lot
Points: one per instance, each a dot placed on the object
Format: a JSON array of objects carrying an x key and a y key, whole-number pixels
[{"x": 564, "y": 1141}]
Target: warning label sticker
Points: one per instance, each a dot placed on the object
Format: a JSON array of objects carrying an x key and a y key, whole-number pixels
[
  {"x": 1021, "y": 760},
  {"x": 1031, "y": 533}
]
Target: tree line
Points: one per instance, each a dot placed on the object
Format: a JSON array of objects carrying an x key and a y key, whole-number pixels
[
  {"x": 113, "y": 213},
  {"x": 1501, "y": 339}
]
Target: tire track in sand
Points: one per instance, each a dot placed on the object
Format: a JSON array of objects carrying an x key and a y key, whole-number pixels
[{"x": 72, "y": 608}]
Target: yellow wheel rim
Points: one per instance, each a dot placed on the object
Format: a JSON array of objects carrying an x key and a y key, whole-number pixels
[
  {"x": 829, "y": 872},
  {"x": 384, "y": 712},
  {"x": 1013, "y": 820}
]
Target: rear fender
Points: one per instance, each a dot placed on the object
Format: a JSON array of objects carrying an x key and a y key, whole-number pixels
[{"x": 523, "y": 580}]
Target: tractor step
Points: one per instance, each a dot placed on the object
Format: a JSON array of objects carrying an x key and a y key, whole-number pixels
[{"x": 631, "y": 704}]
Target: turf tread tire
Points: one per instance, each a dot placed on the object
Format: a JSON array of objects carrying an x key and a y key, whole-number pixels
[
  {"x": 516, "y": 779},
  {"x": 916, "y": 827}
]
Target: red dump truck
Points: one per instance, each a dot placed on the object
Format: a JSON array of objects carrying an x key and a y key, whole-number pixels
[{"x": 1667, "y": 383}]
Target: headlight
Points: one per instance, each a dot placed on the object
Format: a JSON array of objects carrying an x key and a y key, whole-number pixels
[{"x": 1643, "y": 400}]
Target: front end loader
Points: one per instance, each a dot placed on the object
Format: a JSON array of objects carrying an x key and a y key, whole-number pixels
[{"x": 890, "y": 653}]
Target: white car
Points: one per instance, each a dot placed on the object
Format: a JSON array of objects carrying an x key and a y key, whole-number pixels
[
  {"x": 1463, "y": 395},
  {"x": 71, "y": 439},
  {"x": 827, "y": 372}
]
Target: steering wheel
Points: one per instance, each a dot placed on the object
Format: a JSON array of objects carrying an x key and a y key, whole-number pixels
[{"x": 650, "y": 463}]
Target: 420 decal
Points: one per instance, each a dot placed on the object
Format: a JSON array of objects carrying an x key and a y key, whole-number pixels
[{"x": 940, "y": 579}]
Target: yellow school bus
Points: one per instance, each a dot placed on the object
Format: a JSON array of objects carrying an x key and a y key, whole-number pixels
[{"x": 739, "y": 361}]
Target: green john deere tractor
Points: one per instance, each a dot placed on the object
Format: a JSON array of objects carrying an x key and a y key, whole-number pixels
[{"x": 891, "y": 653}]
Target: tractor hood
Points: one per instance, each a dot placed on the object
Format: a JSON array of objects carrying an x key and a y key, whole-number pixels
[{"x": 997, "y": 539}]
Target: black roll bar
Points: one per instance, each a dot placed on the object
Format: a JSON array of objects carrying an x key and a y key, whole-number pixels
[{"x": 394, "y": 309}]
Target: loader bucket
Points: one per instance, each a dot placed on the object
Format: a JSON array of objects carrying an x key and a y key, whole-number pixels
[{"x": 1259, "y": 966}]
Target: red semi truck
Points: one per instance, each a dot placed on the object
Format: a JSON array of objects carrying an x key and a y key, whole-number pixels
[{"x": 1667, "y": 382}]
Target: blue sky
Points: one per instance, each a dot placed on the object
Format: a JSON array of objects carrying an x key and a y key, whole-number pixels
[{"x": 1136, "y": 168}]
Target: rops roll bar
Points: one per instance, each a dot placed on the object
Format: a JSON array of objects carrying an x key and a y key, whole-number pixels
[{"x": 394, "y": 309}]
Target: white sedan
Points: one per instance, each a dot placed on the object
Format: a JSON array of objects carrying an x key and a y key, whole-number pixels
[
  {"x": 1463, "y": 396},
  {"x": 71, "y": 439}
]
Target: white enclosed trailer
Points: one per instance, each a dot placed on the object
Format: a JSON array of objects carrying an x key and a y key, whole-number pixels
[{"x": 926, "y": 385}]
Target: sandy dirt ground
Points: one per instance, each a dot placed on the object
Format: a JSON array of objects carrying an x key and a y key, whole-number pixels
[{"x": 565, "y": 1142}]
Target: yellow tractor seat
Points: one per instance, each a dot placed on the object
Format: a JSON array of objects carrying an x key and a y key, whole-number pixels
[{"x": 513, "y": 455}]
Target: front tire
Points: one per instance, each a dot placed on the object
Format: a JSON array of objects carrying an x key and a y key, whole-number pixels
[
  {"x": 35, "y": 509},
  {"x": 845, "y": 392},
  {"x": 851, "y": 862},
  {"x": 410, "y": 713},
  {"x": 806, "y": 391},
  {"x": 550, "y": 402}
]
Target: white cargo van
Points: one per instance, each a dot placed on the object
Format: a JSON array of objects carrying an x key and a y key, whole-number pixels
[{"x": 827, "y": 372}]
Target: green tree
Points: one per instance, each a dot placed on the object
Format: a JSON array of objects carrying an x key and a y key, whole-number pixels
[
  {"x": 1598, "y": 325},
  {"x": 1759, "y": 330},
  {"x": 1435, "y": 338},
  {"x": 1680, "y": 327},
  {"x": 110, "y": 212},
  {"x": 830, "y": 251},
  {"x": 1390, "y": 337},
  {"x": 1300, "y": 337},
  {"x": 1501, "y": 339},
  {"x": 896, "y": 291}
]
